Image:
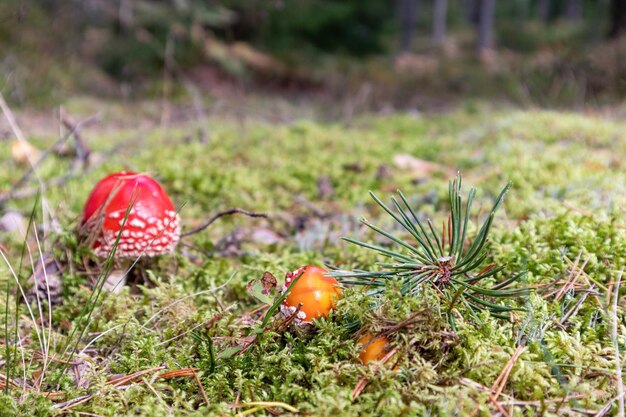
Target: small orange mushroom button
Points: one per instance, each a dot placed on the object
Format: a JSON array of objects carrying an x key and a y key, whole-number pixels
[
  {"x": 314, "y": 291},
  {"x": 373, "y": 350}
]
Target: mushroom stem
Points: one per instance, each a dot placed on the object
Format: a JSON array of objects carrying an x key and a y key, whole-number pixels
[{"x": 116, "y": 279}]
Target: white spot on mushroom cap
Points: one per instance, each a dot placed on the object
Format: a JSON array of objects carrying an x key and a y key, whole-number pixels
[
  {"x": 115, "y": 214},
  {"x": 135, "y": 243},
  {"x": 137, "y": 223}
]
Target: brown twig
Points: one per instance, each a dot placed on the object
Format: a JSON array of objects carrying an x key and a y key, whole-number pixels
[
  {"x": 360, "y": 386},
  {"x": 250, "y": 341},
  {"x": 287, "y": 322},
  {"x": 119, "y": 382},
  {"x": 125, "y": 379},
  {"x": 412, "y": 319},
  {"x": 64, "y": 178},
  {"x": 4, "y": 381},
  {"x": 207, "y": 325},
  {"x": 251, "y": 313},
  {"x": 502, "y": 379},
  {"x": 24, "y": 178},
  {"x": 309, "y": 205},
  {"x": 500, "y": 382},
  {"x": 573, "y": 277},
  {"x": 201, "y": 388},
  {"x": 177, "y": 373},
  {"x": 221, "y": 214},
  {"x": 82, "y": 150},
  {"x": 74, "y": 402}
]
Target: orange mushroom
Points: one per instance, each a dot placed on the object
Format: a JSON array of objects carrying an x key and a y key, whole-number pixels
[
  {"x": 315, "y": 293},
  {"x": 374, "y": 348}
]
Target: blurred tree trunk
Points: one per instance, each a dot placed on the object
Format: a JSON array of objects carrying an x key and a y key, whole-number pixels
[
  {"x": 485, "y": 25},
  {"x": 522, "y": 11},
  {"x": 618, "y": 18},
  {"x": 126, "y": 15},
  {"x": 574, "y": 10},
  {"x": 440, "y": 14},
  {"x": 543, "y": 10},
  {"x": 408, "y": 19},
  {"x": 471, "y": 10}
]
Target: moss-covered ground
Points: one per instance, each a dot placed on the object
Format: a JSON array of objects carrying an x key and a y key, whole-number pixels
[{"x": 563, "y": 221}]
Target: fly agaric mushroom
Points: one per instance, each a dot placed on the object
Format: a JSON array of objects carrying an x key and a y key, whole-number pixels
[
  {"x": 374, "y": 349},
  {"x": 152, "y": 227},
  {"x": 314, "y": 293}
]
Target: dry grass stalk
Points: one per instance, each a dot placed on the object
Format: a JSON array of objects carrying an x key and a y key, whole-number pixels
[
  {"x": 360, "y": 386},
  {"x": 614, "y": 335},
  {"x": 574, "y": 274}
]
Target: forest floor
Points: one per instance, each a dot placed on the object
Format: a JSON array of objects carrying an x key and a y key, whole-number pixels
[{"x": 172, "y": 343}]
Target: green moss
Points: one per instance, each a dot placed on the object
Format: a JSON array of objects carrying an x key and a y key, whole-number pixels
[{"x": 567, "y": 199}]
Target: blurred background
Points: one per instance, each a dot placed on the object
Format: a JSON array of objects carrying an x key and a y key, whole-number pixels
[{"x": 359, "y": 55}]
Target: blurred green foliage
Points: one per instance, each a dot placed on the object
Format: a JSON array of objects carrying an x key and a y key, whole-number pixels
[
  {"x": 347, "y": 26},
  {"x": 54, "y": 48}
]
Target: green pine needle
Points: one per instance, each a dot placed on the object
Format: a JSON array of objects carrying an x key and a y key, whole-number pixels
[{"x": 445, "y": 260}]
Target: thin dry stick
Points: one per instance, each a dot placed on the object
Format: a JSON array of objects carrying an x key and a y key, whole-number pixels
[
  {"x": 82, "y": 150},
  {"x": 577, "y": 209},
  {"x": 574, "y": 310},
  {"x": 618, "y": 362},
  {"x": 512, "y": 401},
  {"x": 8, "y": 114},
  {"x": 12, "y": 123},
  {"x": 35, "y": 164},
  {"x": 412, "y": 319},
  {"x": 587, "y": 277},
  {"x": 201, "y": 388},
  {"x": 100, "y": 336},
  {"x": 155, "y": 392},
  {"x": 264, "y": 405},
  {"x": 573, "y": 276},
  {"x": 545, "y": 401},
  {"x": 502, "y": 379},
  {"x": 47, "y": 340},
  {"x": 500, "y": 382},
  {"x": 187, "y": 331},
  {"x": 4, "y": 381},
  {"x": 309, "y": 205},
  {"x": 221, "y": 214},
  {"x": 607, "y": 406},
  {"x": 360, "y": 386},
  {"x": 574, "y": 280},
  {"x": 23, "y": 294},
  {"x": 124, "y": 380},
  {"x": 167, "y": 307},
  {"x": 71, "y": 175},
  {"x": 184, "y": 373},
  {"x": 500, "y": 408},
  {"x": 74, "y": 402}
]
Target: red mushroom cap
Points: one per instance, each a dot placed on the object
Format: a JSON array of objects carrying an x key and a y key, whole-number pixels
[{"x": 152, "y": 227}]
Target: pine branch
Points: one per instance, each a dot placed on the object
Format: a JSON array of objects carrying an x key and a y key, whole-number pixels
[{"x": 444, "y": 260}]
